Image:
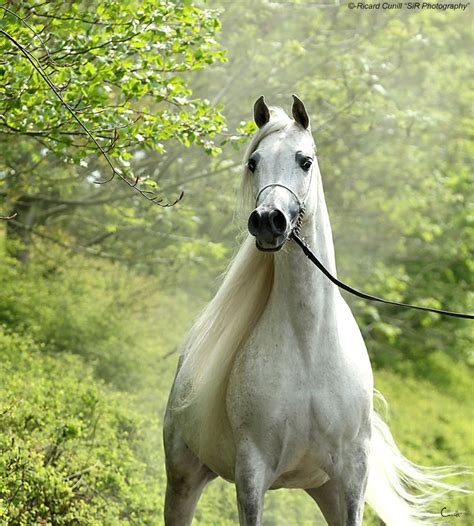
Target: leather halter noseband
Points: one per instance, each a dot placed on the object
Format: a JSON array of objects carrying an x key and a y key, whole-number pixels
[
  {"x": 282, "y": 186},
  {"x": 301, "y": 202}
]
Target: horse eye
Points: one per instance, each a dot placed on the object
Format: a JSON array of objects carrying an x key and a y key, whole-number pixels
[
  {"x": 306, "y": 164},
  {"x": 251, "y": 165}
]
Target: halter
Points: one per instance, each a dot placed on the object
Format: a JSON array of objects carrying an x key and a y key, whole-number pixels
[
  {"x": 301, "y": 203},
  {"x": 282, "y": 186}
]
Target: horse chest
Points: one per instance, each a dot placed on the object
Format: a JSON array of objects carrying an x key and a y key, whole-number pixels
[{"x": 292, "y": 394}]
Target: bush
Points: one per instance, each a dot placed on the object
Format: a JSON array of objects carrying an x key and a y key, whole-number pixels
[
  {"x": 71, "y": 451},
  {"x": 81, "y": 307}
]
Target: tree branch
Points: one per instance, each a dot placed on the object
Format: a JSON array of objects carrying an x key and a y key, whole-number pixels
[{"x": 149, "y": 195}]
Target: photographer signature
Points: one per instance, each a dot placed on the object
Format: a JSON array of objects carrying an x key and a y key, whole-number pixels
[{"x": 445, "y": 513}]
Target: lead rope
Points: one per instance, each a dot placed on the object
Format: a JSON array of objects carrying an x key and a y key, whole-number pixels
[{"x": 295, "y": 235}]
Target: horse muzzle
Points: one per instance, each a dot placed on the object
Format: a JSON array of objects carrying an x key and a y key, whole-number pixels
[{"x": 270, "y": 227}]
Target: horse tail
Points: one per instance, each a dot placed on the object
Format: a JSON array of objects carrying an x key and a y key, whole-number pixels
[{"x": 401, "y": 492}]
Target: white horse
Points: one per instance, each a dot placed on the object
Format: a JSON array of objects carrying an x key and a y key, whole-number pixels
[{"x": 274, "y": 386}]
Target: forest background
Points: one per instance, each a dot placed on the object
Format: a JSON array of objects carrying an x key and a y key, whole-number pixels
[{"x": 100, "y": 280}]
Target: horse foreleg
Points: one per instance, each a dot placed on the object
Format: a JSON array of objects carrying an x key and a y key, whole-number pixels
[
  {"x": 186, "y": 478},
  {"x": 341, "y": 499},
  {"x": 251, "y": 481}
]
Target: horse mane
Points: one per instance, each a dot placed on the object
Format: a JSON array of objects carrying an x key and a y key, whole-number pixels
[{"x": 209, "y": 350}]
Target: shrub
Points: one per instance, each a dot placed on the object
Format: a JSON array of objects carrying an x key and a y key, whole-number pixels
[
  {"x": 70, "y": 449},
  {"x": 84, "y": 308}
]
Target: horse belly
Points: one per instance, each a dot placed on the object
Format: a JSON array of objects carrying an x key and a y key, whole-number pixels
[{"x": 305, "y": 476}]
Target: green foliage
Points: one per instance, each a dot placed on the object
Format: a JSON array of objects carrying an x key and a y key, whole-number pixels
[
  {"x": 104, "y": 62},
  {"x": 69, "y": 448},
  {"x": 123, "y": 68},
  {"x": 42, "y": 307},
  {"x": 95, "y": 311}
]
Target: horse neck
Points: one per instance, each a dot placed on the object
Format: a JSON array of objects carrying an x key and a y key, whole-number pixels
[{"x": 298, "y": 284}]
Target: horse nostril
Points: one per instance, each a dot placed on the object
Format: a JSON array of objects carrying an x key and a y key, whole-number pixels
[
  {"x": 278, "y": 222},
  {"x": 254, "y": 222}
]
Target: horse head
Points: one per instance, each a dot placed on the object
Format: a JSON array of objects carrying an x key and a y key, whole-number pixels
[{"x": 280, "y": 167}]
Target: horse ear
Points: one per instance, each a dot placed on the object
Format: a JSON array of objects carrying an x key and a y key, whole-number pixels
[
  {"x": 261, "y": 113},
  {"x": 299, "y": 112}
]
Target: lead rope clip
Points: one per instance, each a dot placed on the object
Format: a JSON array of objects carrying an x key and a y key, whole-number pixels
[{"x": 299, "y": 221}]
